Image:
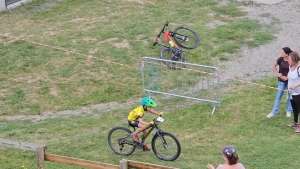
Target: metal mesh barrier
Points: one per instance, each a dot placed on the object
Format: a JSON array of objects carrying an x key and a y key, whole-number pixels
[{"x": 180, "y": 79}]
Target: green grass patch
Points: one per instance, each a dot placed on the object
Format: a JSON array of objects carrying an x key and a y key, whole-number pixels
[
  {"x": 35, "y": 79},
  {"x": 116, "y": 31},
  {"x": 240, "y": 121}
]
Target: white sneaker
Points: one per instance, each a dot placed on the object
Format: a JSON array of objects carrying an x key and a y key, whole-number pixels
[
  {"x": 288, "y": 114},
  {"x": 271, "y": 115}
]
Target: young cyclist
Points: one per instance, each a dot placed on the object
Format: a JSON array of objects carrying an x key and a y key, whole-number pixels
[{"x": 135, "y": 118}]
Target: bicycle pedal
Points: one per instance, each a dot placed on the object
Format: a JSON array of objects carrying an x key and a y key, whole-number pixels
[{"x": 144, "y": 149}]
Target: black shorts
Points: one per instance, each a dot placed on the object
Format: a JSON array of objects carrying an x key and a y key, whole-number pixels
[{"x": 133, "y": 123}]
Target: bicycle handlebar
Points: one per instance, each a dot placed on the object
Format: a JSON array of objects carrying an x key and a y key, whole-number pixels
[{"x": 154, "y": 122}]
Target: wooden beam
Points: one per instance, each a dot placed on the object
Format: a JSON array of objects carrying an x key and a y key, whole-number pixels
[
  {"x": 79, "y": 162},
  {"x": 136, "y": 164},
  {"x": 19, "y": 144}
]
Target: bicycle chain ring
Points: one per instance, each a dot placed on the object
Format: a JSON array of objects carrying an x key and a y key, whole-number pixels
[{"x": 139, "y": 145}]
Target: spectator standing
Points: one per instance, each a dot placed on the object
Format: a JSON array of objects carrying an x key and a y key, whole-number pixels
[
  {"x": 294, "y": 88},
  {"x": 283, "y": 64}
]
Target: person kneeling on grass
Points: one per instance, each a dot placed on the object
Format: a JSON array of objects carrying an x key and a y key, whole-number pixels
[
  {"x": 135, "y": 118},
  {"x": 231, "y": 159}
]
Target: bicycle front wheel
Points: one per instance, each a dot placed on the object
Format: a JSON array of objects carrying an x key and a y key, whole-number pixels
[
  {"x": 166, "y": 146},
  {"x": 186, "y": 37},
  {"x": 120, "y": 141},
  {"x": 167, "y": 54}
]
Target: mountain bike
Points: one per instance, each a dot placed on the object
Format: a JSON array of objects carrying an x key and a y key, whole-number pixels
[
  {"x": 183, "y": 36},
  {"x": 164, "y": 144}
]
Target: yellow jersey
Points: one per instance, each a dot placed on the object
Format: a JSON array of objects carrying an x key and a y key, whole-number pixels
[{"x": 136, "y": 113}]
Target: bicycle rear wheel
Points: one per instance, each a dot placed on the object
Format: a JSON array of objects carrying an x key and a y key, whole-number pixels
[
  {"x": 120, "y": 141},
  {"x": 166, "y": 146},
  {"x": 186, "y": 37},
  {"x": 167, "y": 54}
]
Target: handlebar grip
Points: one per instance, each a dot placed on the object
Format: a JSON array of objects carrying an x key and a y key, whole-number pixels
[
  {"x": 167, "y": 23},
  {"x": 155, "y": 43}
]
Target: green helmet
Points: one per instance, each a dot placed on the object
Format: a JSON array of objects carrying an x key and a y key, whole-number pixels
[{"x": 149, "y": 102}]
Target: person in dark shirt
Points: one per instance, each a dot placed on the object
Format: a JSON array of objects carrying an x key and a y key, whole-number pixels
[{"x": 282, "y": 63}]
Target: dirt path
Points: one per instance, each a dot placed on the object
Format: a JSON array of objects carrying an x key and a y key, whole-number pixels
[
  {"x": 249, "y": 64},
  {"x": 257, "y": 62},
  {"x": 270, "y": 2}
]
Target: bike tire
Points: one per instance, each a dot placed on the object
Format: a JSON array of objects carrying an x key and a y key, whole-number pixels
[
  {"x": 166, "y": 146},
  {"x": 120, "y": 141},
  {"x": 180, "y": 34},
  {"x": 167, "y": 54}
]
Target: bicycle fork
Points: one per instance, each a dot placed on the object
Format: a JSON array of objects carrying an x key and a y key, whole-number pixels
[{"x": 162, "y": 139}]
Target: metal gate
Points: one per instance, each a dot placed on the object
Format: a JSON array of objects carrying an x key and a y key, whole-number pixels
[{"x": 186, "y": 80}]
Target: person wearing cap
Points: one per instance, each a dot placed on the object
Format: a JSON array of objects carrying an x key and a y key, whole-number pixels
[
  {"x": 282, "y": 63},
  {"x": 231, "y": 159}
]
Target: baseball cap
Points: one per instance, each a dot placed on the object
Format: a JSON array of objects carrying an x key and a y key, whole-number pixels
[{"x": 229, "y": 150}]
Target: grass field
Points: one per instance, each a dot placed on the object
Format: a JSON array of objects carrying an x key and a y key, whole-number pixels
[{"x": 36, "y": 78}]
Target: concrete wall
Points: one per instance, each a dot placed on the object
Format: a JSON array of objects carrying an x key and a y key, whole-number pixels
[
  {"x": 11, "y": 6},
  {"x": 14, "y": 5},
  {"x": 2, "y": 5}
]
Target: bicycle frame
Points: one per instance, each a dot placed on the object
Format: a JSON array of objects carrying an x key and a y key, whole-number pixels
[
  {"x": 167, "y": 36},
  {"x": 152, "y": 127}
]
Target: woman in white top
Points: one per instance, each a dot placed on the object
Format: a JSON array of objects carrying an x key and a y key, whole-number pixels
[
  {"x": 294, "y": 88},
  {"x": 231, "y": 159}
]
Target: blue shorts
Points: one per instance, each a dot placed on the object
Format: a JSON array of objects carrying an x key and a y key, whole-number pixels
[{"x": 133, "y": 123}]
